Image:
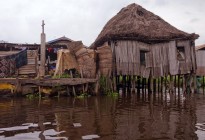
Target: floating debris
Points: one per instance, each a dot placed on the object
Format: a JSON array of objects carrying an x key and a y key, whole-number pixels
[
  {"x": 52, "y": 132},
  {"x": 89, "y": 137},
  {"x": 55, "y": 138},
  {"x": 15, "y": 128},
  {"x": 47, "y": 123},
  {"x": 30, "y": 124},
  {"x": 77, "y": 125}
]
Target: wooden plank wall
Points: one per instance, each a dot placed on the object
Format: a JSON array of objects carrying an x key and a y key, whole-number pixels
[
  {"x": 161, "y": 58},
  {"x": 200, "y": 59}
]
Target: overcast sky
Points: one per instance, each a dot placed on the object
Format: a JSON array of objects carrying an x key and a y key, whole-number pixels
[{"x": 20, "y": 20}]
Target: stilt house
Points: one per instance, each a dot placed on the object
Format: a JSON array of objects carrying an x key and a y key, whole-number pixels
[
  {"x": 140, "y": 43},
  {"x": 200, "y": 59}
]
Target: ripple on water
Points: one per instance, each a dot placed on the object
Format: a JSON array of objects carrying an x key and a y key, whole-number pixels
[
  {"x": 47, "y": 134},
  {"x": 200, "y": 130}
]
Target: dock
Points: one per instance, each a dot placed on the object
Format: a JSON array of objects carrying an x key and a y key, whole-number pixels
[{"x": 71, "y": 84}]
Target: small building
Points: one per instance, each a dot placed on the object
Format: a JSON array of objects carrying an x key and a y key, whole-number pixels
[
  {"x": 18, "y": 59},
  {"x": 200, "y": 59},
  {"x": 136, "y": 42},
  {"x": 31, "y": 53}
]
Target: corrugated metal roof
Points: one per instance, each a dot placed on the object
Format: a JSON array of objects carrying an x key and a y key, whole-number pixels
[{"x": 59, "y": 39}]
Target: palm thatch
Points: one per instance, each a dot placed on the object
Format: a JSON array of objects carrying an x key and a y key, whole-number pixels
[
  {"x": 200, "y": 47},
  {"x": 136, "y": 23}
]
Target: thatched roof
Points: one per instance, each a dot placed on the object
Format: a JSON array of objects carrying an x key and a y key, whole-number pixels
[
  {"x": 136, "y": 23},
  {"x": 200, "y": 47}
]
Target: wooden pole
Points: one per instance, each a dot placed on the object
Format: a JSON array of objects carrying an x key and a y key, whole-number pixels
[
  {"x": 74, "y": 93},
  {"x": 175, "y": 83},
  {"x": 171, "y": 85},
  {"x": 138, "y": 84},
  {"x": 143, "y": 86},
  {"x": 203, "y": 85},
  {"x": 43, "y": 52},
  {"x": 154, "y": 85},
  {"x": 195, "y": 86},
  {"x": 124, "y": 83},
  {"x": 149, "y": 85},
  {"x": 158, "y": 83},
  {"x": 81, "y": 74},
  {"x": 162, "y": 79},
  {"x": 165, "y": 79},
  {"x": 178, "y": 85},
  {"x": 133, "y": 83},
  {"x": 67, "y": 90}
]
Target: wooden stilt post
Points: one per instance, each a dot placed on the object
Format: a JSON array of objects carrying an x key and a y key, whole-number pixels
[
  {"x": 74, "y": 93},
  {"x": 175, "y": 90},
  {"x": 165, "y": 79},
  {"x": 138, "y": 85},
  {"x": 86, "y": 87},
  {"x": 171, "y": 84},
  {"x": 154, "y": 85},
  {"x": 129, "y": 83},
  {"x": 81, "y": 73},
  {"x": 195, "y": 86},
  {"x": 175, "y": 83},
  {"x": 162, "y": 79},
  {"x": 67, "y": 90},
  {"x": 158, "y": 84},
  {"x": 183, "y": 83},
  {"x": 179, "y": 85},
  {"x": 149, "y": 85},
  {"x": 203, "y": 85},
  {"x": 39, "y": 91},
  {"x": 143, "y": 86},
  {"x": 124, "y": 83},
  {"x": 133, "y": 83},
  {"x": 117, "y": 83},
  {"x": 114, "y": 83}
]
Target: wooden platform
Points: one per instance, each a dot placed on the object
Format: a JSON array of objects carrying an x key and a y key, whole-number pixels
[{"x": 48, "y": 82}]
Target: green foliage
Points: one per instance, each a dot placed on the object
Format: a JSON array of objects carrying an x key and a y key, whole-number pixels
[
  {"x": 112, "y": 94},
  {"x": 62, "y": 76},
  {"x": 82, "y": 96},
  {"x": 103, "y": 86},
  {"x": 33, "y": 96}
]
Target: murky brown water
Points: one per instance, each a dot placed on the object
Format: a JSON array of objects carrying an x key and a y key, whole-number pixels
[{"x": 108, "y": 118}]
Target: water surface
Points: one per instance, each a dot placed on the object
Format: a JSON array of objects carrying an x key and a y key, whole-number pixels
[{"x": 105, "y": 118}]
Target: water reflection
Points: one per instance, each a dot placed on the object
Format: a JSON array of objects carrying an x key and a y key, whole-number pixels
[{"x": 148, "y": 116}]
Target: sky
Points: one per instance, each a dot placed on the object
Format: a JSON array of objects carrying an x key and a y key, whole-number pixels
[{"x": 20, "y": 20}]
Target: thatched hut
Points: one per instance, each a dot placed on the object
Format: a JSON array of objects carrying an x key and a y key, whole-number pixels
[
  {"x": 200, "y": 57},
  {"x": 138, "y": 42}
]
